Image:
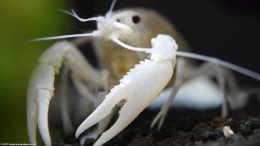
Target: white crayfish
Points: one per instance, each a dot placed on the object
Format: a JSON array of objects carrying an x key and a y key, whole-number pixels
[
  {"x": 143, "y": 83},
  {"x": 136, "y": 89},
  {"x": 134, "y": 27}
]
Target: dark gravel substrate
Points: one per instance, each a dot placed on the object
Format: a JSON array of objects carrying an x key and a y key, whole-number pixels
[{"x": 184, "y": 127}]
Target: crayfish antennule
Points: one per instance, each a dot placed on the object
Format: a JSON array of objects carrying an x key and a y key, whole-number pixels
[
  {"x": 75, "y": 15},
  {"x": 109, "y": 13}
]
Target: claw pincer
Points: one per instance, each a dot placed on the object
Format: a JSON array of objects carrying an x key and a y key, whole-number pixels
[{"x": 137, "y": 88}]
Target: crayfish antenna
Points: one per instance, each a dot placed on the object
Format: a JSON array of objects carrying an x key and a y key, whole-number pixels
[
  {"x": 93, "y": 34},
  {"x": 115, "y": 38},
  {"x": 226, "y": 64}
]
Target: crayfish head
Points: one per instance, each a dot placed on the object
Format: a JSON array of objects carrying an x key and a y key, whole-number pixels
[{"x": 109, "y": 25}]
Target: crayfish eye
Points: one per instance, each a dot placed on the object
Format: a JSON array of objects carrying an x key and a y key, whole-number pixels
[{"x": 136, "y": 19}]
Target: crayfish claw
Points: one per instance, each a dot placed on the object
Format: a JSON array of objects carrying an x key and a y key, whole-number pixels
[
  {"x": 39, "y": 95},
  {"x": 102, "y": 111},
  {"x": 129, "y": 111}
]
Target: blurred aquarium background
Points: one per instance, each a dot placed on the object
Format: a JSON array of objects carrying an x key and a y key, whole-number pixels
[{"x": 227, "y": 29}]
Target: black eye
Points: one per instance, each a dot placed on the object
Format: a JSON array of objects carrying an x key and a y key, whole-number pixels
[
  {"x": 136, "y": 19},
  {"x": 118, "y": 20}
]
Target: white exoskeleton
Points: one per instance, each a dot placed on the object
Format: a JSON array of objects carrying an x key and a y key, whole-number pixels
[
  {"x": 134, "y": 27},
  {"x": 131, "y": 26}
]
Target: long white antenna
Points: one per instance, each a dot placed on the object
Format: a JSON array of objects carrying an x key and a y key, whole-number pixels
[
  {"x": 93, "y": 34},
  {"x": 228, "y": 65}
]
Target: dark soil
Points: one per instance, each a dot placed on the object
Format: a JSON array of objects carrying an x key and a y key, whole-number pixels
[{"x": 184, "y": 127}]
